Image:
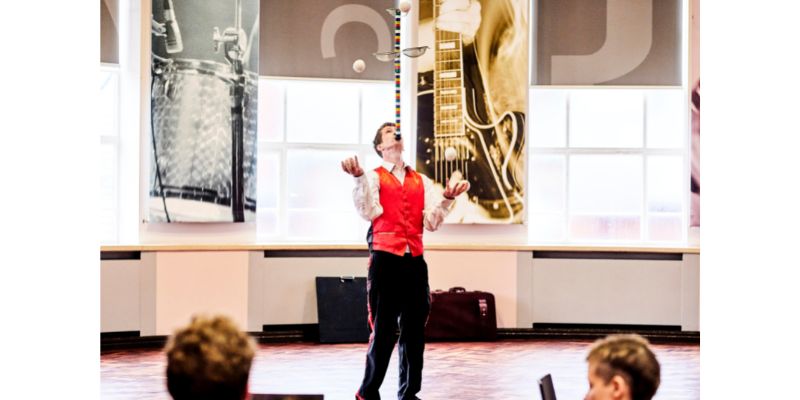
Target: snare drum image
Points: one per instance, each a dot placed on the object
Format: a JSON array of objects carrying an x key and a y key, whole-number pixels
[{"x": 203, "y": 112}]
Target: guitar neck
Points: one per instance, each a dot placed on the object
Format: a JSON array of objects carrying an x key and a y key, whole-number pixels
[{"x": 448, "y": 82}]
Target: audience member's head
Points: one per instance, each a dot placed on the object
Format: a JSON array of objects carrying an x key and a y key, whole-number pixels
[
  {"x": 209, "y": 359},
  {"x": 622, "y": 367}
]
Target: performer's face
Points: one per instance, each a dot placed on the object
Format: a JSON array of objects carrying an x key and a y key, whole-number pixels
[{"x": 388, "y": 142}]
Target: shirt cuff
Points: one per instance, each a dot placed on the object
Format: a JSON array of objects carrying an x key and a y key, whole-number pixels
[{"x": 446, "y": 203}]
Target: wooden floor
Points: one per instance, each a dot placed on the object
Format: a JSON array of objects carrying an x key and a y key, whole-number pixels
[{"x": 505, "y": 370}]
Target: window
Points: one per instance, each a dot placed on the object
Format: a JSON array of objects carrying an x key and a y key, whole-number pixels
[
  {"x": 303, "y": 195},
  {"x": 607, "y": 165}
]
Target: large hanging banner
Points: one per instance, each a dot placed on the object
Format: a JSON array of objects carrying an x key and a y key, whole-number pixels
[
  {"x": 694, "y": 102},
  {"x": 204, "y": 94},
  {"x": 472, "y": 100},
  {"x": 322, "y": 39},
  {"x": 607, "y": 42},
  {"x": 109, "y": 31}
]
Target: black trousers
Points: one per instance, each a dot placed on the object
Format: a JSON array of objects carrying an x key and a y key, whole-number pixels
[{"x": 398, "y": 296}]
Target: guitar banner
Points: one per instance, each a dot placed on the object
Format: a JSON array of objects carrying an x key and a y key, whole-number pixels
[
  {"x": 203, "y": 111},
  {"x": 472, "y": 102}
]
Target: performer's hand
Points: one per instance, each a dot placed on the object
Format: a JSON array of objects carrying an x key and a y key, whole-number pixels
[
  {"x": 452, "y": 191},
  {"x": 460, "y": 16},
  {"x": 351, "y": 166}
]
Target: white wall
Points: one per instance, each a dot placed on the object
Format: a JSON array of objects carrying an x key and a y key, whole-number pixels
[
  {"x": 636, "y": 292},
  {"x": 487, "y": 271},
  {"x": 210, "y": 282},
  {"x": 690, "y": 292},
  {"x": 289, "y": 285},
  {"x": 119, "y": 295},
  {"x": 163, "y": 289}
]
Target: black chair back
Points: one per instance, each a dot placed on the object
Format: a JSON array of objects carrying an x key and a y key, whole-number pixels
[{"x": 546, "y": 388}]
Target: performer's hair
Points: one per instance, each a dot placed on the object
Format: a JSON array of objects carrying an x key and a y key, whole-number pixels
[{"x": 379, "y": 139}]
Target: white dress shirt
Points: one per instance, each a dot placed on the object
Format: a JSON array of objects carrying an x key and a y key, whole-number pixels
[{"x": 366, "y": 196}]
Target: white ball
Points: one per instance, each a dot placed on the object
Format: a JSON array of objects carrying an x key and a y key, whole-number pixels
[
  {"x": 405, "y": 6},
  {"x": 359, "y": 66},
  {"x": 450, "y": 154}
]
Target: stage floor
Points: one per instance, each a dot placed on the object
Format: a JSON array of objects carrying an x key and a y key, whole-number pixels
[{"x": 506, "y": 370}]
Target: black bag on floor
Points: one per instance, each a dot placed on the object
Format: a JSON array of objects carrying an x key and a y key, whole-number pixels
[
  {"x": 461, "y": 315},
  {"x": 342, "y": 309}
]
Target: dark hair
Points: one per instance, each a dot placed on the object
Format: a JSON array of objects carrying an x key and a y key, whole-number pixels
[
  {"x": 209, "y": 359},
  {"x": 629, "y": 357},
  {"x": 379, "y": 138}
]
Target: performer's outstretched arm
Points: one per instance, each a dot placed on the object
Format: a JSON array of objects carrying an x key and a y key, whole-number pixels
[
  {"x": 365, "y": 196},
  {"x": 366, "y": 191},
  {"x": 438, "y": 202}
]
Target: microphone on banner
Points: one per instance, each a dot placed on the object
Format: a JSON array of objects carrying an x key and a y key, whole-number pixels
[{"x": 174, "y": 41}]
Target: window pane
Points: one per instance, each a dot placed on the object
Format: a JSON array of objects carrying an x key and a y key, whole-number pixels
[
  {"x": 547, "y": 227},
  {"x": 666, "y": 123},
  {"x": 326, "y": 225},
  {"x": 665, "y": 188},
  {"x": 605, "y": 184},
  {"x": 267, "y": 222},
  {"x": 605, "y": 227},
  {"x": 108, "y": 125},
  {"x": 547, "y": 182},
  {"x": 377, "y": 107},
  {"x": 108, "y": 194},
  {"x": 316, "y": 180},
  {"x": 109, "y": 103},
  {"x": 269, "y": 179},
  {"x": 370, "y": 160},
  {"x": 548, "y": 116},
  {"x": 322, "y": 112},
  {"x": 271, "y": 108},
  {"x": 320, "y": 204},
  {"x": 605, "y": 118},
  {"x": 665, "y": 228}
]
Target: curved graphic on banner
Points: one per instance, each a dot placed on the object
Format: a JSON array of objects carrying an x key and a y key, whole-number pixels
[
  {"x": 629, "y": 38},
  {"x": 353, "y": 13},
  {"x": 322, "y": 39},
  {"x": 608, "y": 42}
]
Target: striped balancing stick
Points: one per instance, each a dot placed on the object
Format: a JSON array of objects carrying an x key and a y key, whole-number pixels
[{"x": 397, "y": 71}]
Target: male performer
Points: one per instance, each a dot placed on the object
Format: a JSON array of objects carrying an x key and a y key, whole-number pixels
[{"x": 399, "y": 202}]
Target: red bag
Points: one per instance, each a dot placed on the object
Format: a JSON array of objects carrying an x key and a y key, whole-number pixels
[{"x": 459, "y": 315}]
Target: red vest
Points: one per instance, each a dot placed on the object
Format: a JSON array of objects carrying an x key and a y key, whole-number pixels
[{"x": 400, "y": 225}]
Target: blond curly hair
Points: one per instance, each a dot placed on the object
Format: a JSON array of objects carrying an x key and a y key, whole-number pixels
[{"x": 630, "y": 357}]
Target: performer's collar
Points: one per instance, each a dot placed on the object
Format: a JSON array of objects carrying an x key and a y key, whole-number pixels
[{"x": 390, "y": 165}]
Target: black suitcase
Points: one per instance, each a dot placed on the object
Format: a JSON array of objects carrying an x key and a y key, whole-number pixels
[
  {"x": 461, "y": 315},
  {"x": 342, "y": 309}
]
